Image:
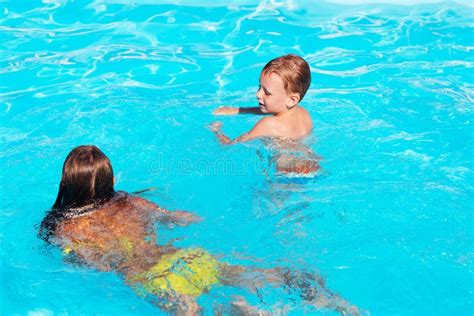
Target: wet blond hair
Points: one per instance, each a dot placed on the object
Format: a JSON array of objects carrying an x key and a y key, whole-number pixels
[{"x": 294, "y": 71}]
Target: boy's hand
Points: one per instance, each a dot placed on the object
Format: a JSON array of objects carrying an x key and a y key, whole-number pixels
[
  {"x": 226, "y": 110},
  {"x": 215, "y": 126}
]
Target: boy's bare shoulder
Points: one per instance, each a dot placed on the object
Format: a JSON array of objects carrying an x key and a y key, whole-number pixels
[
  {"x": 303, "y": 113},
  {"x": 268, "y": 121},
  {"x": 297, "y": 124},
  {"x": 265, "y": 127},
  {"x": 305, "y": 117}
]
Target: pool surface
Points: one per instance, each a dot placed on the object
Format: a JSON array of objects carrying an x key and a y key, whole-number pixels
[{"x": 387, "y": 222}]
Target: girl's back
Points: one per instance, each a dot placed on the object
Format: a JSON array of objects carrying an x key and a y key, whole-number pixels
[{"x": 118, "y": 235}]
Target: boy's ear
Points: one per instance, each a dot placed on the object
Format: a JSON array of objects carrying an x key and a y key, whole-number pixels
[{"x": 293, "y": 100}]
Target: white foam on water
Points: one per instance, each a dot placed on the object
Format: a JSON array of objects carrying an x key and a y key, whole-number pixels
[
  {"x": 399, "y": 2},
  {"x": 40, "y": 312},
  {"x": 288, "y": 3}
]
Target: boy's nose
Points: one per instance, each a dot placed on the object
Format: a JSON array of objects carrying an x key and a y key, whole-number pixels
[{"x": 259, "y": 93}]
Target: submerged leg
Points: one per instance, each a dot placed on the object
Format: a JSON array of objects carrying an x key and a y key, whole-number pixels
[
  {"x": 187, "y": 306},
  {"x": 167, "y": 300},
  {"x": 309, "y": 286},
  {"x": 241, "y": 307}
]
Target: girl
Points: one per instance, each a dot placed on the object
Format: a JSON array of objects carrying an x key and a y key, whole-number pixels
[{"x": 114, "y": 231}]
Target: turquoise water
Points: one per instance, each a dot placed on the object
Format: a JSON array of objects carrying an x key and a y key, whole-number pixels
[{"x": 388, "y": 222}]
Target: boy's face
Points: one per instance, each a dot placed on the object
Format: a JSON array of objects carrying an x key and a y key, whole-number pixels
[{"x": 271, "y": 95}]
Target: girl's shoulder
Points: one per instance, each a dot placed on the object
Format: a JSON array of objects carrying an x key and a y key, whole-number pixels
[{"x": 122, "y": 206}]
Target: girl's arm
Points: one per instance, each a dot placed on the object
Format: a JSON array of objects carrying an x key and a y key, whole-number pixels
[{"x": 178, "y": 217}]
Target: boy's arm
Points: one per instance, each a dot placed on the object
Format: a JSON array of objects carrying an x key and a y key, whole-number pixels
[
  {"x": 263, "y": 128},
  {"x": 228, "y": 110}
]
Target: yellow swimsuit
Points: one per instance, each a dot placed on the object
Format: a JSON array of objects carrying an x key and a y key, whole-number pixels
[
  {"x": 189, "y": 271},
  {"x": 125, "y": 245}
]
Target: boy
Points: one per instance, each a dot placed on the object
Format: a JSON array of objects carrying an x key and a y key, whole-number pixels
[{"x": 283, "y": 84}]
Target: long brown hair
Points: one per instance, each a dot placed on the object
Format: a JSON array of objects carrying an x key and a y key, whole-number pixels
[{"x": 87, "y": 179}]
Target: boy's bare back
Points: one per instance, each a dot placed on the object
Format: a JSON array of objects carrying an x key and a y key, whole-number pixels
[{"x": 294, "y": 124}]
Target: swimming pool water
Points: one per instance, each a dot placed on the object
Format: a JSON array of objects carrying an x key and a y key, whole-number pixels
[{"x": 387, "y": 223}]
